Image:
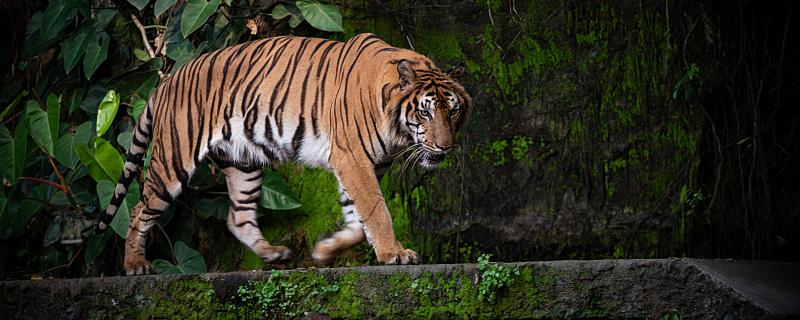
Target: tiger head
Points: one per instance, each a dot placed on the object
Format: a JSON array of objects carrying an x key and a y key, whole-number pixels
[{"x": 432, "y": 106}]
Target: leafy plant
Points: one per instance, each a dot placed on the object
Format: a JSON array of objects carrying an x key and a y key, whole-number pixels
[
  {"x": 87, "y": 70},
  {"x": 187, "y": 260},
  {"x": 493, "y": 277},
  {"x": 281, "y": 296}
]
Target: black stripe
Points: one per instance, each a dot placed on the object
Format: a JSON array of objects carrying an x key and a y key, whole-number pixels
[
  {"x": 251, "y": 191},
  {"x": 240, "y": 208},
  {"x": 241, "y": 224},
  {"x": 297, "y": 140}
]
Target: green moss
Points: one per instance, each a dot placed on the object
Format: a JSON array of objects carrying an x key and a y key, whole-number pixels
[
  {"x": 184, "y": 299},
  {"x": 440, "y": 43},
  {"x": 346, "y": 303}
]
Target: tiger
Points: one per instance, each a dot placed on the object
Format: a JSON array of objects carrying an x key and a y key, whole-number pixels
[{"x": 348, "y": 107}]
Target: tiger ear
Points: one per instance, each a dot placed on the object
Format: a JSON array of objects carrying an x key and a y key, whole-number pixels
[
  {"x": 456, "y": 72},
  {"x": 407, "y": 74}
]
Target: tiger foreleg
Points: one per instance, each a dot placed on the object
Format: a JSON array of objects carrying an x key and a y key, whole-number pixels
[
  {"x": 244, "y": 190},
  {"x": 361, "y": 185}
]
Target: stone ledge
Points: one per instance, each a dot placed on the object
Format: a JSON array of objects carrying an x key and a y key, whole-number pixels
[{"x": 689, "y": 288}]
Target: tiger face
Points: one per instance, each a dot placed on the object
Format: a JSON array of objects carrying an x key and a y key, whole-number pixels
[{"x": 435, "y": 107}]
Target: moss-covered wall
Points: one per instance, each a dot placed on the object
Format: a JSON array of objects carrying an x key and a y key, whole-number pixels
[
  {"x": 656, "y": 289},
  {"x": 582, "y": 143}
]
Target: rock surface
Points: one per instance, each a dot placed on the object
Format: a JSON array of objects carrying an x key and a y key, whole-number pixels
[{"x": 687, "y": 288}]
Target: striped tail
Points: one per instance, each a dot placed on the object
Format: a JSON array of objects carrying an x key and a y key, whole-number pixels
[{"x": 135, "y": 159}]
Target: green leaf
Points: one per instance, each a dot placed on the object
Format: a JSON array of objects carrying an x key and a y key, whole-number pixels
[
  {"x": 107, "y": 111},
  {"x": 14, "y": 215},
  {"x": 12, "y": 152},
  {"x": 195, "y": 14},
  {"x": 92, "y": 100},
  {"x": 139, "y": 4},
  {"x": 39, "y": 125},
  {"x": 275, "y": 194},
  {"x": 95, "y": 246},
  {"x": 282, "y": 10},
  {"x": 141, "y": 55},
  {"x": 96, "y": 53},
  {"x": 124, "y": 139},
  {"x": 162, "y": 6},
  {"x": 57, "y": 15},
  {"x": 103, "y": 17},
  {"x": 53, "y": 233},
  {"x": 213, "y": 207},
  {"x": 105, "y": 191},
  {"x": 75, "y": 46},
  {"x": 146, "y": 87},
  {"x": 44, "y": 27},
  {"x": 53, "y": 114},
  {"x": 188, "y": 259},
  {"x": 103, "y": 162},
  {"x": 323, "y": 16},
  {"x": 181, "y": 52},
  {"x": 295, "y": 21},
  {"x": 65, "y": 147},
  {"x": 138, "y": 107},
  {"x": 74, "y": 98}
]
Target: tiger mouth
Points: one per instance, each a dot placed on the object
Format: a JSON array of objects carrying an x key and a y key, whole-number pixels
[{"x": 432, "y": 159}]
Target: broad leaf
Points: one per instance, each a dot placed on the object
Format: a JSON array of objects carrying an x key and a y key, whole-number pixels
[
  {"x": 53, "y": 114},
  {"x": 53, "y": 233},
  {"x": 12, "y": 152},
  {"x": 96, "y": 53},
  {"x": 105, "y": 191},
  {"x": 124, "y": 139},
  {"x": 146, "y": 87},
  {"x": 39, "y": 125},
  {"x": 14, "y": 215},
  {"x": 195, "y": 14},
  {"x": 107, "y": 111},
  {"x": 188, "y": 261},
  {"x": 74, "y": 98},
  {"x": 275, "y": 194},
  {"x": 295, "y": 21},
  {"x": 75, "y": 45},
  {"x": 103, "y": 161},
  {"x": 92, "y": 100},
  {"x": 44, "y": 27},
  {"x": 94, "y": 246},
  {"x": 65, "y": 147},
  {"x": 213, "y": 207},
  {"x": 57, "y": 15},
  {"x": 139, "y": 4},
  {"x": 138, "y": 107},
  {"x": 181, "y": 52},
  {"x": 141, "y": 55},
  {"x": 283, "y": 10},
  {"x": 162, "y": 6},
  {"x": 322, "y": 16}
]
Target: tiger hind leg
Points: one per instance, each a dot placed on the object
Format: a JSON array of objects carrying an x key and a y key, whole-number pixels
[
  {"x": 244, "y": 189},
  {"x": 352, "y": 234},
  {"x": 155, "y": 200}
]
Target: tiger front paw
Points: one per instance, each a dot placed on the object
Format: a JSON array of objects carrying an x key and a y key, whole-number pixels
[{"x": 400, "y": 256}]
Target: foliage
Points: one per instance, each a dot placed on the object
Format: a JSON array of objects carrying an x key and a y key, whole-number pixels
[
  {"x": 493, "y": 277},
  {"x": 84, "y": 74},
  {"x": 282, "y": 296},
  {"x": 187, "y": 260}
]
